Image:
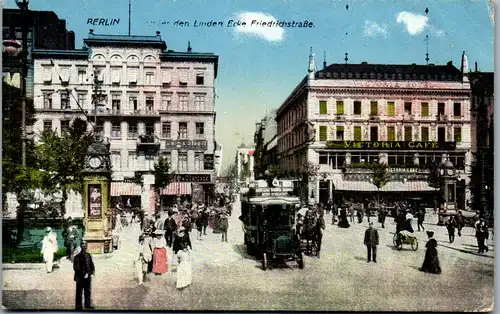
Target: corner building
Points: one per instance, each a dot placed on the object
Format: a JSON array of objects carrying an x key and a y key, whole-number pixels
[
  {"x": 348, "y": 115},
  {"x": 146, "y": 89}
]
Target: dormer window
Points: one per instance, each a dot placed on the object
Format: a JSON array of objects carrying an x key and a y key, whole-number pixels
[
  {"x": 358, "y": 75},
  {"x": 342, "y": 74},
  {"x": 407, "y": 76},
  {"x": 349, "y": 75},
  {"x": 365, "y": 75},
  {"x": 400, "y": 76},
  {"x": 386, "y": 76},
  {"x": 379, "y": 76},
  {"x": 372, "y": 75},
  {"x": 393, "y": 76},
  {"x": 328, "y": 74},
  {"x": 335, "y": 75}
]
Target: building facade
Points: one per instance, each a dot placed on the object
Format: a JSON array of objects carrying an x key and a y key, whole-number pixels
[
  {"x": 44, "y": 31},
  {"x": 245, "y": 164},
  {"x": 145, "y": 90},
  {"x": 347, "y": 116},
  {"x": 265, "y": 145}
]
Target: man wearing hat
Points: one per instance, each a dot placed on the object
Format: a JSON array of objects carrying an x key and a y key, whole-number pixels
[
  {"x": 84, "y": 271},
  {"x": 49, "y": 248},
  {"x": 371, "y": 242}
]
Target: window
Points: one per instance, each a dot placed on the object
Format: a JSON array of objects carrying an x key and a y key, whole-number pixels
[
  {"x": 81, "y": 100},
  {"x": 340, "y": 107},
  {"x": 391, "y": 133},
  {"x": 357, "y": 133},
  {"x": 374, "y": 108},
  {"x": 200, "y": 129},
  {"x": 323, "y": 133},
  {"x": 408, "y": 108},
  {"x": 47, "y": 100},
  {"x": 183, "y": 78},
  {"x": 47, "y": 125},
  {"x": 457, "y": 109},
  {"x": 99, "y": 128},
  {"x": 116, "y": 160},
  {"x": 166, "y": 78},
  {"x": 441, "y": 134},
  {"x": 166, "y": 129},
  {"x": 323, "y": 158},
  {"x": 133, "y": 131},
  {"x": 64, "y": 125},
  {"x": 198, "y": 161},
  {"x": 374, "y": 134},
  {"x": 149, "y": 128},
  {"x": 200, "y": 80},
  {"x": 441, "y": 109},
  {"x": 65, "y": 101},
  {"x": 322, "y": 107},
  {"x": 408, "y": 134},
  {"x": 115, "y": 102},
  {"x": 47, "y": 74},
  {"x": 166, "y": 102},
  {"x": 391, "y": 109},
  {"x": 183, "y": 102},
  {"x": 116, "y": 74},
  {"x": 116, "y": 131},
  {"x": 168, "y": 156},
  {"x": 425, "y": 134},
  {"x": 199, "y": 103},
  {"x": 131, "y": 160},
  {"x": 132, "y": 101},
  {"x": 150, "y": 103},
  {"x": 82, "y": 76},
  {"x": 424, "y": 109},
  {"x": 357, "y": 107},
  {"x": 457, "y": 134},
  {"x": 182, "y": 161},
  {"x": 340, "y": 133},
  {"x": 150, "y": 76},
  {"x": 132, "y": 75},
  {"x": 183, "y": 130}
]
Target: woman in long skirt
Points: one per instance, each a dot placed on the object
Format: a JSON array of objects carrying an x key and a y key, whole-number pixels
[
  {"x": 184, "y": 270},
  {"x": 431, "y": 261},
  {"x": 160, "y": 262}
]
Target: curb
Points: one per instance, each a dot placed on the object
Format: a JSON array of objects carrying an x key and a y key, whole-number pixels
[{"x": 23, "y": 266}]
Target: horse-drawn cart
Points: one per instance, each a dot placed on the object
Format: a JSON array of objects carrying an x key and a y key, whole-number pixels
[{"x": 268, "y": 216}]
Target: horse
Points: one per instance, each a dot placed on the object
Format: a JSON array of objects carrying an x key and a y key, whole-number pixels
[{"x": 309, "y": 230}]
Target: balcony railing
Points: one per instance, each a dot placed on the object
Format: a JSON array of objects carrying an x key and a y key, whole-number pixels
[
  {"x": 148, "y": 142},
  {"x": 122, "y": 112}
]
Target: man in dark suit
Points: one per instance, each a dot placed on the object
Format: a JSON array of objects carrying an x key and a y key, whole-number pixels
[
  {"x": 371, "y": 242},
  {"x": 84, "y": 270}
]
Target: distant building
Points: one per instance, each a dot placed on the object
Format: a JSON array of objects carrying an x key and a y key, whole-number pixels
[
  {"x": 346, "y": 116},
  {"x": 44, "y": 31},
  {"x": 265, "y": 145},
  {"x": 156, "y": 102},
  {"x": 245, "y": 164}
]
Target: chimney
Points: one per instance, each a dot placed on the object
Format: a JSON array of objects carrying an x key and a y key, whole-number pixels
[
  {"x": 157, "y": 33},
  {"x": 450, "y": 63},
  {"x": 189, "y": 46},
  {"x": 91, "y": 31},
  {"x": 475, "y": 69},
  {"x": 324, "y": 60}
]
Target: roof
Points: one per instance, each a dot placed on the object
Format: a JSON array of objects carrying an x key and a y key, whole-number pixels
[
  {"x": 369, "y": 71},
  {"x": 125, "y": 40},
  {"x": 61, "y": 54},
  {"x": 191, "y": 56}
]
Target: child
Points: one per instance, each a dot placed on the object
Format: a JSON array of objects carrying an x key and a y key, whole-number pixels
[{"x": 140, "y": 262}]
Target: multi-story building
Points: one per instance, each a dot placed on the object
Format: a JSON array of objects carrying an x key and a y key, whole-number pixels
[
  {"x": 402, "y": 115},
  {"x": 245, "y": 164},
  {"x": 44, "y": 31},
  {"x": 146, "y": 90},
  {"x": 265, "y": 144}
]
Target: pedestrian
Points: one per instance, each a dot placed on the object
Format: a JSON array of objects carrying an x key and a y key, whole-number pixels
[
  {"x": 382, "y": 215},
  {"x": 199, "y": 225},
  {"x": 460, "y": 222},
  {"x": 351, "y": 211},
  {"x": 159, "y": 246},
  {"x": 224, "y": 225},
  {"x": 343, "y": 223},
  {"x": 49, "y": 248},
  {"x": 431, "y": 260},
  {"x": 84, "y": 271},
  {"x": 148, "y": 250},
  {"x": 205, "y": 216},
  {"x": 140, "y": 262},
  {"x": 421, "y": 219},
  {"x": 371, "y": 242},
  {"x": 181, "y": 237},
  {"x": 359, "y": 213},
  {"x": 70, "y": 235},
  {"x": 184, "y": 268},
  {"x": 451, "y": 225},
  {"x": 481, "y": 235}
]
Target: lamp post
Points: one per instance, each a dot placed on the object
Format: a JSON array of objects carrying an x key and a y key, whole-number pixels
[
  {"x": 448, "y": 176},
  {"x": 23, "y": 200}
]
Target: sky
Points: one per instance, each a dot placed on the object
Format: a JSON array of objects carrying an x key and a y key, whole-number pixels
[{"x": 260, "y": 66}]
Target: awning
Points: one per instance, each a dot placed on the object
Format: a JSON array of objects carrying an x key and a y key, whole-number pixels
[
  {"x": 409, "y": 186},
  {"x": 177, "y": 188},
  {"x": 120, "y": 188},
  {"x": 360, "y": 186}
]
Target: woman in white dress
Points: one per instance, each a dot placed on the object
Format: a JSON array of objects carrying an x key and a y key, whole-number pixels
[{"x": 184, "y": 272}]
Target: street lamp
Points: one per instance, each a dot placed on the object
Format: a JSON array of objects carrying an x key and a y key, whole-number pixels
[
  {"x": 448, "y": 176},
  {"x": 23, "y": 200}
]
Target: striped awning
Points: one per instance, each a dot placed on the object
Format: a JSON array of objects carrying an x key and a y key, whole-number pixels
[
  {"x": 409, "y": 186},
  {"x": 120, "y": 188},
  {"x": 177, "y": 188},
  {"x": 360, "y": 186}
]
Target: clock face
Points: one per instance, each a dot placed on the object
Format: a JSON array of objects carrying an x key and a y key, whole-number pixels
[{"x": 95, "y": 162}]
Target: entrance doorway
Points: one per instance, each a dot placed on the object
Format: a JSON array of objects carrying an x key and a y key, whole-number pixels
[{"x": 324, "y": 193}]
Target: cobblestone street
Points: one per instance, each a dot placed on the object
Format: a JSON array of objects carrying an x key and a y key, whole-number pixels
[{"x": 226, "y": 278}]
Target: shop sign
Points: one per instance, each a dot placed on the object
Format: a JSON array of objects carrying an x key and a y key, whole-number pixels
[
  {"x": 201, "y": 178},
  {"x": 208, "y": 162},
  {"x": 94, "y": 200},
  {"x": 395, "y": 145},
  {"x": 186, "y": 144}
]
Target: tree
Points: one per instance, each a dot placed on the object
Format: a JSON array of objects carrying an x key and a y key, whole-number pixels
[
  {"x": 63, "y": 158},
  {"x": 163, "y": 176},
  {"x": 380, "y": 176}
]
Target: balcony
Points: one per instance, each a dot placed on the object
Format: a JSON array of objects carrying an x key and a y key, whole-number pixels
[
  {"x": 441, "y": 118},
  {"x": 340, "y": 116},
  {"x": 148, "y": 143},
  {"x": 186, "y": 144}
]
